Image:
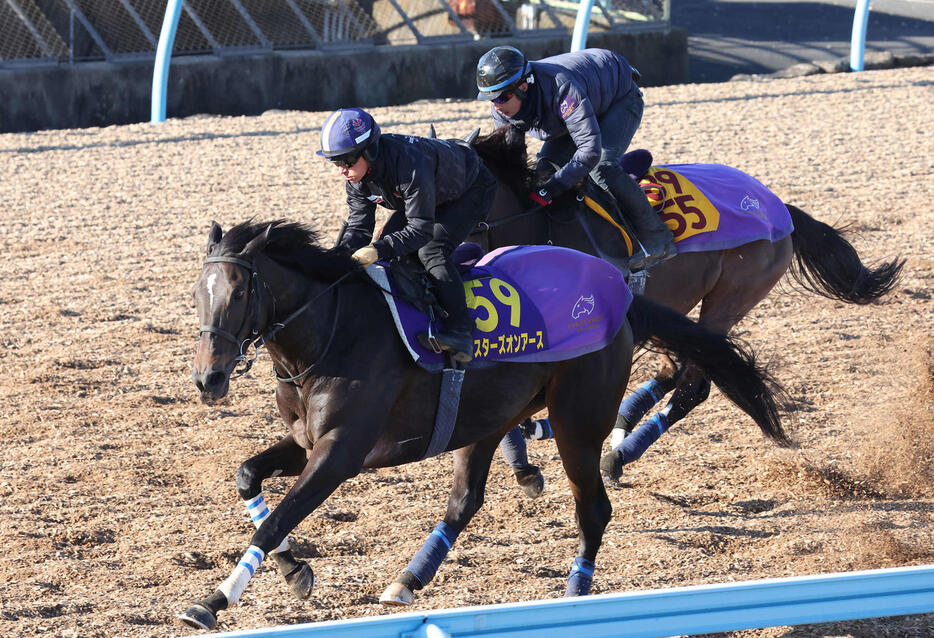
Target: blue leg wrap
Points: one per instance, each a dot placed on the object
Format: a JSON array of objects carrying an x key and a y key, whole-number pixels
[
  {"x": 514, "y": 449},
  {"x": 427, "y": 560},
  {"x": 580, "y": 578},
  {"x": 639, "y": 441},
  {"x": 543, "y": 429},
  {"x": 638, "y": 404}
]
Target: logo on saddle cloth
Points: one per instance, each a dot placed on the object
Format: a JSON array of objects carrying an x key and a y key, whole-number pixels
[
  {"x": 530, "y": 304},
  {"x": 584, "y": 306},
  {"x": 714, "y": 207}
]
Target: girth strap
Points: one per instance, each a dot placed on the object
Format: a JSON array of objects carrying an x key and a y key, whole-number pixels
[{"x": 448, "y": 402}]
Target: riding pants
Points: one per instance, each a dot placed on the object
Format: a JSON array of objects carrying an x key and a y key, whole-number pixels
[
  {"x": 455, "y": 220},
  {"x": 617, "y": 127}
]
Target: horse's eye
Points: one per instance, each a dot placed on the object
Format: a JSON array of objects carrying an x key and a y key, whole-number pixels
[{"x": 238, "y": 293}]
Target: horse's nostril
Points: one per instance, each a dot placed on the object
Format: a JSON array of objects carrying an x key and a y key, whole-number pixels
[{"x": 214, "y": 380}]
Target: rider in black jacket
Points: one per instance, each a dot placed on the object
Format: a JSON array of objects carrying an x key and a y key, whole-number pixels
[
  {"x": 586, "y": 106},
  {"x": 441, "y": 186}
]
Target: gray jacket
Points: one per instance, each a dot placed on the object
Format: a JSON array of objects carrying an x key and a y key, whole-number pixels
[{"x": 567, "y": 95}]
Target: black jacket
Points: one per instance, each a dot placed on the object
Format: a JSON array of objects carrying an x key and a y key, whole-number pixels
[{"x": 414, "y": 174}]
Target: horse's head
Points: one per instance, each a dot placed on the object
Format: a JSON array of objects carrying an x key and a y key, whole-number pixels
[
  {"x": 255, "y": 280},
  {"x": 232, "y": 310}
]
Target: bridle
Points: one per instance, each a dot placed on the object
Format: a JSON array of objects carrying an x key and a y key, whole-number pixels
[{"x": 259, "y": 338}]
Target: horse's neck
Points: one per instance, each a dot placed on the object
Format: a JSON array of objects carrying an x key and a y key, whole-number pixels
[
  {"x": 339, "y": 317},
  {"x": 301, "y": 340}
]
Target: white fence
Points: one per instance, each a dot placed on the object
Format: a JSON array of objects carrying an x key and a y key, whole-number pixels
[{"x": 665, "y": 612}]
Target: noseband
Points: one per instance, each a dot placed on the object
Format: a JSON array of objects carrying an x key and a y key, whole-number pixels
[{"x": 258, "y": 341}]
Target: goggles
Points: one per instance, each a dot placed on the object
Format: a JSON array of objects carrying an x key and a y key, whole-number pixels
[
  {"x": 502, "y": 98},
  {"x": 345, "y": 161}
]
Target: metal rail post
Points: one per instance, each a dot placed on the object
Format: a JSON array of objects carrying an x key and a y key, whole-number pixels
[
  {"x": 160, "y": 74},
  {"x": 858, "y": 39},
  {"x": 579, "y": 39}
]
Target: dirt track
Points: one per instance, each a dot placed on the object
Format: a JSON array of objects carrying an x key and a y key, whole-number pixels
[{"x": 116, "y": 484}]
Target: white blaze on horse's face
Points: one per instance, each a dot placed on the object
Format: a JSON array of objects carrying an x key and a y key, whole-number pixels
[{"x": 212, "y": 279}]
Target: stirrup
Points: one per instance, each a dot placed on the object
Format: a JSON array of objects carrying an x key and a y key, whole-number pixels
[{"x": 430, "y": 342}]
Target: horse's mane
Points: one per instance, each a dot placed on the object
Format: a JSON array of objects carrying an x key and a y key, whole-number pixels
[
  {"x": 507, "y": 158},
  {"x": 291, "y": 244},
  {"x": 504, "y": 152}
]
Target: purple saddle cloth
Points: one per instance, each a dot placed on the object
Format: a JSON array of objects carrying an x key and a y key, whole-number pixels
[
  {"x": 715, "y": 207},
  {"x": 529, "y": 304}
]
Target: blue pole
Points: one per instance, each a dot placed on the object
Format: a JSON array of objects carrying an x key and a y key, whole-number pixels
[
  {"x": 858, "y": 39},
  {"x": 160, "y": 74},
  {"x": 579, "y": 40}
]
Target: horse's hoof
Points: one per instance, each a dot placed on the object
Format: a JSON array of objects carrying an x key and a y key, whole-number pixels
[
  {"x": 573, "y": 591},
  {"x": 611, "y": 465},
  {"x": 531, "y": 480},
  {"x": 396, "y": 595},
  {"x": 199, "y": 617},
  {"x": 301, "y": 580}
]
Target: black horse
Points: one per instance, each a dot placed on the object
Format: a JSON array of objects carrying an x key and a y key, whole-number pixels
[
  {"x": 726, "y": 283},
  {"x": 352, "y": 397}
]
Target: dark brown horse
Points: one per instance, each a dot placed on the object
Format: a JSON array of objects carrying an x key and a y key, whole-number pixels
[
  {"x": 352, "y": 397},
  {"x": 726, "y": 283}
]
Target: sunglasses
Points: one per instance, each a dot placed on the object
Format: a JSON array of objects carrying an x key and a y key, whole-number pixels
[
  {"x": 502, "y": 98},
  {"x": 345, "y": 161}
]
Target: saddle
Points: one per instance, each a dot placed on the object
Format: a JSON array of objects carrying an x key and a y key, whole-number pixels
[
  {"x": 636, "y": 163},
  {"x": 411, "y": 282}
]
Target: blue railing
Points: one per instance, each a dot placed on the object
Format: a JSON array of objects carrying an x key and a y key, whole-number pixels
[{"x": 666, "y": 612}]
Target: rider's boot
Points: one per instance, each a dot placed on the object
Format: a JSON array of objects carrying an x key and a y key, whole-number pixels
[
  {"x": 656, "y": 238},
  {"x": 457, "y": 334}
]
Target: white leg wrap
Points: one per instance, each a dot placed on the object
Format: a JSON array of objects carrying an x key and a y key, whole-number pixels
[
  {"x": 233, "y": 587},
  {"x": 616, "y": 437},
  {"x": 258, "y": 510}
]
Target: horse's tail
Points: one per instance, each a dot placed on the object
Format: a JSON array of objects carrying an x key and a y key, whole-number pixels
[
  {"x": 723, "y": 360},
  {"x": 827, "y": 264}
]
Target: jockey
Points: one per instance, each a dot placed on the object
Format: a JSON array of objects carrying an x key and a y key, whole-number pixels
[
  {"x": 586, "y": 106},
  {"x": 441, "y": 186}
]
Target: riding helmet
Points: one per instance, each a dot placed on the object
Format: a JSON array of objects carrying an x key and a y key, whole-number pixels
[
  {"x": 501, "y": 69},
  {"x": 349, "y": 132}
]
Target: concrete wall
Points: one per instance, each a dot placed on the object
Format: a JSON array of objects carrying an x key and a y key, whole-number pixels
[{"x": 101, "y": 94}]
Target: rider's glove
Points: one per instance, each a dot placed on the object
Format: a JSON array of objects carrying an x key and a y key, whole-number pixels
[
  {"x": 545, "y": 193},
  {"x": 366, "y": 255}
]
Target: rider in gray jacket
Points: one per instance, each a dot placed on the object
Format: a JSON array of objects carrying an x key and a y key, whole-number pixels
[{"x": 586, "y": 106}]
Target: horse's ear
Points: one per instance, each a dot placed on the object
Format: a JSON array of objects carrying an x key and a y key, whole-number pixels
[
  {"x": 472, "y": 136},
  {"x": 431, "y": 131},
  {"x": 257, "y": 243},
  {"x": 214, "y": 236}
]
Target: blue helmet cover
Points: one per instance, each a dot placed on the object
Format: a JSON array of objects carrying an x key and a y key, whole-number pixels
[{"x": 347, "y": 131}]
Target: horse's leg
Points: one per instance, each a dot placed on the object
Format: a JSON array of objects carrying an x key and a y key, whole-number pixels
[
  {"x": 285, "y": 458},
  {"x": 579, "y": 435},
  {"x": 471, "y": 468},
  {"x": 680, "y": 283},
  {"x": 582, "y": 401},
  {"x": 747, "y": 274},
  {"x": 336, "y": 456},
  {"x": 528, "y": 476},
  {"x": 637, "y": 405},
  {"x": 692, "y": 390}
]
